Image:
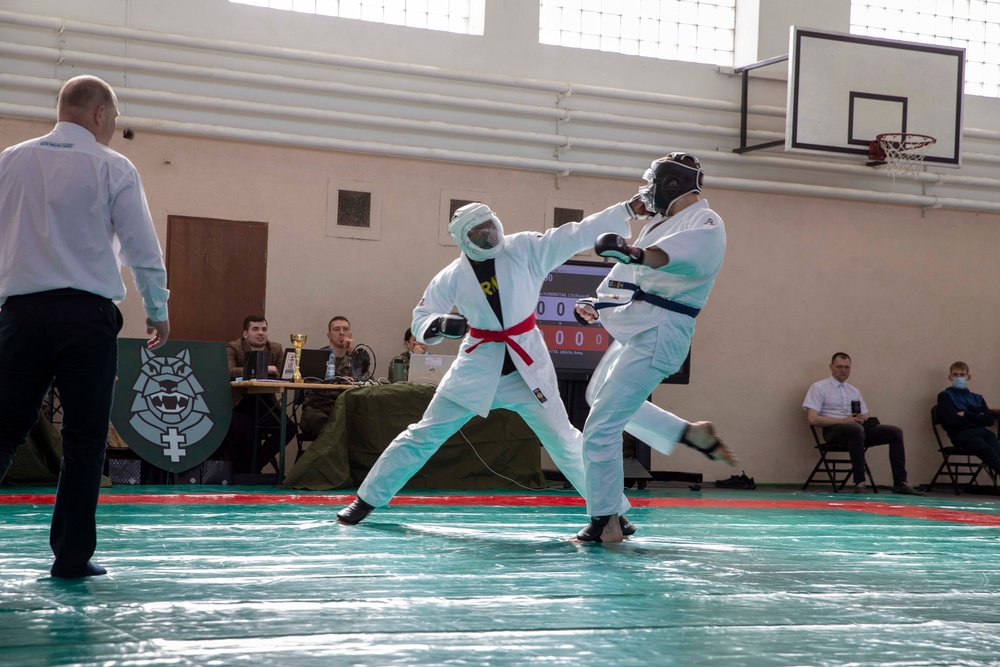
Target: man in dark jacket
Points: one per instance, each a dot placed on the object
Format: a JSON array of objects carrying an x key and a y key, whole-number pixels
[
  {"x": 966, "y": 418},
  {"x": 245, "y": 408}
]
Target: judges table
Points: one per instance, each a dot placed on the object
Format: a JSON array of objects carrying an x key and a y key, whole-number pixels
[
  {"x": 283, "y": 388},
  {"x": 366, "y": 419}
]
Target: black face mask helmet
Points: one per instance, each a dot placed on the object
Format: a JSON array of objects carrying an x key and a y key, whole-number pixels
[{"x": 669, "y": 179}]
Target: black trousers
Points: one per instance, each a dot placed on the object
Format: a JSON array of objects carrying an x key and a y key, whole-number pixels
[
  {"x": 69, "y": 337},
  {"x": 856, "y": 437},
  {"x": 983, "y": 443}
]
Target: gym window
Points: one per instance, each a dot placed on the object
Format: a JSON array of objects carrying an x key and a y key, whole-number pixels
[
  {"x": 466, "y": 17},
  {"x": 700, "y": 31},
  {"x": 971, "y": 24}
]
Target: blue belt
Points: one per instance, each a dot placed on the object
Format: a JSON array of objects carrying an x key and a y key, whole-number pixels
[{"x": 639, "y": 295}]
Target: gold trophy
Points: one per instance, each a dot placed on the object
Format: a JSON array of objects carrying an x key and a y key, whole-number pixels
[{"x": 298, "y": 340}]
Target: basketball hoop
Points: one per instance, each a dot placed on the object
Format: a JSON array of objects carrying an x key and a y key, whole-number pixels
[{"x": 902, "y": 153}]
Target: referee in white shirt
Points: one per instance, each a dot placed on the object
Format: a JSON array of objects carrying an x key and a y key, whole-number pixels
[
  {"x": 71, "y": 212},
  {"x": 837, "y": 407}
]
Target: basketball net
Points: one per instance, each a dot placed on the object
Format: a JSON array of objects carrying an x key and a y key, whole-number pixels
[{"x": 902, "y": 152}]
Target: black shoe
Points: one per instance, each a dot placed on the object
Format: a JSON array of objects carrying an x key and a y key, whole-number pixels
[
  {"x": 905, "y": 489},
  {"x": 592, "y": 531},
  {"x": 355, "y": 513},
  {"x": 89, "y": 569},
  {"x": 628, "y": 528},
  {"x": 737, "y": 482}
]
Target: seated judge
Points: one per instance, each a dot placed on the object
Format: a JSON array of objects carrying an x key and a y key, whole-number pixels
[
  {"x": 413, "y": 346},
  {"x": 317, "y": 405},
  {"x": 239, "y": 438}
]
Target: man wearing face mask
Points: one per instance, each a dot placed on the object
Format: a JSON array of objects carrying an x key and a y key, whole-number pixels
[
  {"x": 503, "y": 361},
  {"x": 966, "y": 418}
]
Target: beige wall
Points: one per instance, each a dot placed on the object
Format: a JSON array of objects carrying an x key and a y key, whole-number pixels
[{"x": 903, "y": 291}]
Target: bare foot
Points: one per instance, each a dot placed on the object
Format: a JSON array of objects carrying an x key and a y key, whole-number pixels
[{"x": 701, "y": 436}]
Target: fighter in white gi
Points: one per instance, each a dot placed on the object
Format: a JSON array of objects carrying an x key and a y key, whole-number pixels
[
  {"x": 649, "y": 302},
  {"x": 503, "y": 361}
]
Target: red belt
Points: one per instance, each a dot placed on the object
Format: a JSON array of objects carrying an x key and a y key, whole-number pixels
[{"x": 488, "y": 336}]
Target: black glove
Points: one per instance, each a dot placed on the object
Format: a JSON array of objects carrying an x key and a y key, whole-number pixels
[
  {"x": 451, "y": 325},
  {"x": 615, "y": 247},
  {"x": 589, "y": 301}
]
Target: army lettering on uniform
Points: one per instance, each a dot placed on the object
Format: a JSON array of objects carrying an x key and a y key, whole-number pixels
[{"x": 490, "y": 287}]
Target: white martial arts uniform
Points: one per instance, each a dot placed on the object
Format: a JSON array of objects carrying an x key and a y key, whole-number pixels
[
  {"x": 650, "y": 344},
  {"x": 473, "y": 385}
]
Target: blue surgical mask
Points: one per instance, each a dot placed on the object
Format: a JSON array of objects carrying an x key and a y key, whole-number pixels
[{"x": 960, "y": 383}]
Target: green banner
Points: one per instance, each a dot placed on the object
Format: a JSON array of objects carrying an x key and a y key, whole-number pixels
[{"x": 172, "y": 405}]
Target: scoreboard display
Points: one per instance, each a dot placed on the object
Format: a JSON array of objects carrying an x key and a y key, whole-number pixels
[{"x": 575, "y": 348}]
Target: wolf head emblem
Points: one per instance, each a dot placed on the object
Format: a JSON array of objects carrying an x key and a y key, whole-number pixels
[{"x": 168, "y": 408}]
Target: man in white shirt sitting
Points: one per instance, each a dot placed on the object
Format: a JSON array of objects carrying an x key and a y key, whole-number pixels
[{"x": 839, "y": 409}]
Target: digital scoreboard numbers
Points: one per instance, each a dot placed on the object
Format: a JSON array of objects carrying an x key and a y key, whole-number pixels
[
  {"x": 576, "y": 349},
  {"x": 575, "y": 337},
  {"x": 573, "y": 346}
]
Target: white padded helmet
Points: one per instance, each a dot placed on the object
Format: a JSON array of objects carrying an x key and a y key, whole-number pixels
[{"x": 477, "y": 231}]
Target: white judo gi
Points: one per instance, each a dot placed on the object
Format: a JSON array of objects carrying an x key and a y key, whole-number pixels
[
  {"x": 473, "y": 385},
  {"x": 650, "y": 344}
]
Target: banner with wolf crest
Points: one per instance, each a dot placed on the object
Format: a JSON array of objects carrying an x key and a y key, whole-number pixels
[{"x": 172, "y": 405}]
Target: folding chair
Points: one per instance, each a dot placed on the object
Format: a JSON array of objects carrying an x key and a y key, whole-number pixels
[
  {"x": 967, "y": 469},
  {"x": 835, "y": 463}
]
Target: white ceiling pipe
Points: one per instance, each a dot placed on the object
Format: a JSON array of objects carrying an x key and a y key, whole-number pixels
[
  {"x": 241, "y": 48},
  {"x": 556, "y": 141},
  {"x": 44, "y": 53},
  {"x": 550, "y": 166},
  {"x": 551, "y": 140}
]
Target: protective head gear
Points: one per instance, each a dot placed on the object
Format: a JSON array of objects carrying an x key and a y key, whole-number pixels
[
  {"x": 669, "y": 179},
  {"x": 477, "y": 231},
  {"x": 960, "y": 383}
]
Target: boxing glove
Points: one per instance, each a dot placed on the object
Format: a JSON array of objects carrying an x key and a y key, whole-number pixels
[
  {"x": 614, "y": 246},
  {"x": 451, "y": 325}
]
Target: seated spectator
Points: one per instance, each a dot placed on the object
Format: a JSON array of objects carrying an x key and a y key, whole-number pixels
[
  {"x": 839, "y": 409},
  {"x": 966, "y": 418},
  {"x": 317, "y": 405},
  {"x": 413, "y": 346},
  {"x": 241, "y": 428}
]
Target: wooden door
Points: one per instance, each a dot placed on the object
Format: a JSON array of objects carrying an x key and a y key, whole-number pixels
[{"x": 217, "y": 275}]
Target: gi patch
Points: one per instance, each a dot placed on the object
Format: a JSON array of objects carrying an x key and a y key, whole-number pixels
[{"x": 539, "y": 395}]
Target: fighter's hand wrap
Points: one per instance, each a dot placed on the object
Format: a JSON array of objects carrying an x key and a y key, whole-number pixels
[
  {"x": 451, "y": 325},
  {"x": 614, "y": 246},
  {"x": 589, "y": 301}
]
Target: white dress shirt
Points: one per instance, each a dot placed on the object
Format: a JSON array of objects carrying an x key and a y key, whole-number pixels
[
  {"x": 72, "y": 211},
  {"x": 831, "y": 398}
]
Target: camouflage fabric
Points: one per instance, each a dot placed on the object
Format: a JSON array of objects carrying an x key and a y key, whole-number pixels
[{"x": 365, "y": 420}]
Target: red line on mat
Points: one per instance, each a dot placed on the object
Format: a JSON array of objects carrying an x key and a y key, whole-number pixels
[{"x": 872, "y": 507}]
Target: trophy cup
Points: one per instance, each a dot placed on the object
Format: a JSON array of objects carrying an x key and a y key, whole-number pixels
[{"x": 298, "y": 340}]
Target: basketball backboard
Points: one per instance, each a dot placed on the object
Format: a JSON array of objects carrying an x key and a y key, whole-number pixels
[{"x": 844, "y": 90}]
